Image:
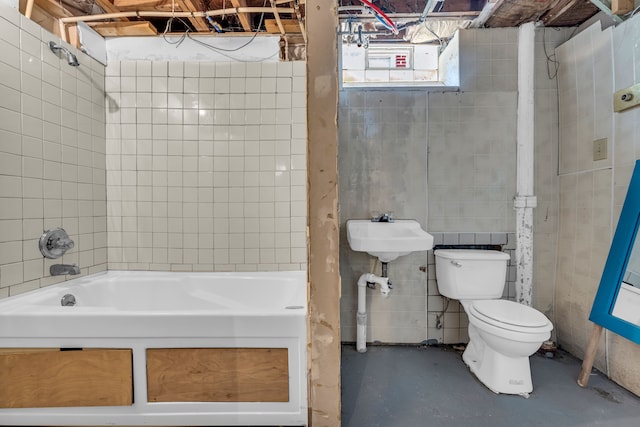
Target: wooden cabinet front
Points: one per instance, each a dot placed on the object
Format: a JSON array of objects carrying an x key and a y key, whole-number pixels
[
  {"x": 37, "y": 378},
  {"x": 217, "y": 375}
]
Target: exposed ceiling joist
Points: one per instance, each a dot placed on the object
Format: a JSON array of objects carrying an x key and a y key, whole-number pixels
[
  {"x": 488, "y": 9},
  {"x": 198, "y": 22},
  {"x": 288, "y": 16},
  {"x": 108, "y": 7},
  {"x": 605, "y": 6},
  {"x": 56, "y": 9},
  {"x": 244, "y": 18}
]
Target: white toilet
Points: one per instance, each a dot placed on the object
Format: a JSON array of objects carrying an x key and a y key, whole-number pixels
[{"x": 502, "y": 334}]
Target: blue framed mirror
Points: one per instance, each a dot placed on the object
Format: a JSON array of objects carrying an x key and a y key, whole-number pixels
[{"x": 617, "y": 302}]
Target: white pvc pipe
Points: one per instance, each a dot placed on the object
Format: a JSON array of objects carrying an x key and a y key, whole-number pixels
[
  {"x": 361, "y": 318},
  {"x": 525, "y": 200}
]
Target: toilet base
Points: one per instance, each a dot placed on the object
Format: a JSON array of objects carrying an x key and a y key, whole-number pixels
[{"x": 500, "y": 373}]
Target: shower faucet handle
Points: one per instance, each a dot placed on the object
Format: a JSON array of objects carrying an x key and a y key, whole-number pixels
[{"x": 54, "y": 243}]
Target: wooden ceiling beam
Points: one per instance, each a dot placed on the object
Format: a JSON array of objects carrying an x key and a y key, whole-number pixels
[
  {"x": 138, "y": 3},
  {"x": 276, "y": 15},
  {"x": 199, "y": 22},
  {"x": 605, "y": 6},
  {"x": 489, "y": 8},
  {"x": 54, "y": 8},
  {"x": 108, "y": 7},
  {"x": 245, "y": 18},
  {"x": 159, "y": 14},
  {"x": 620, "y": 7},
  {"x": 560, "y": 8},
  {"x": 516, "y": 12}
]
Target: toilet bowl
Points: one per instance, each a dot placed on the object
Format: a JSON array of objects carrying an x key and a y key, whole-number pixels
[{"x": 502, "y": 334}]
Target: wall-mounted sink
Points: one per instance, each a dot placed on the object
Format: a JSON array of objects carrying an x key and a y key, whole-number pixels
[{"x": 387, "y": 240}]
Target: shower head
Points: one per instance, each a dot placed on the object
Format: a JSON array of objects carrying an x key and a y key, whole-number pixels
[{"x": 71, "y": 58}]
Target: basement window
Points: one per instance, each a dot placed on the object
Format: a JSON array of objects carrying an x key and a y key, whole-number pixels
[{"x": 396, "y": 64}]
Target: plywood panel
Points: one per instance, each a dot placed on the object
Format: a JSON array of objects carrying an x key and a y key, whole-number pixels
[
  {"x": 36, "y": 379},
  {"x": 115, "y": 29},
  {"x": 217, "y": 375},
  {"x": 289, "y": 25}
]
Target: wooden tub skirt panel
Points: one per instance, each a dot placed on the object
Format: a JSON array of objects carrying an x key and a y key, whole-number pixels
[
  {"x": 217, "y": 375},
  {"x": 52, "y": 378}
]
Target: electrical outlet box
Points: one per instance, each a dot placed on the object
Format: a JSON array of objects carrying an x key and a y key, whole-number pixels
[
  {"x": 626, "y": 98},
  {"x": 600, "y": 149}
]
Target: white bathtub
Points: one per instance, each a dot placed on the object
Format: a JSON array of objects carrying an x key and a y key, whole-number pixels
[{"x": 157, "y": 310}]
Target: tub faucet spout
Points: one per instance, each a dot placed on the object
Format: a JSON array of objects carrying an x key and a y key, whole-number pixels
[{"x": 62, "y": 269}]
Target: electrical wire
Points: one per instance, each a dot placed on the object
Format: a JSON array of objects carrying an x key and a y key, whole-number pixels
[
  {"x": 434, "y": 34},
  {"x": 380, "y": 14},
  {"x": 552, "y": 62},
  {"x": 633, "y": 12},
  {"x": 220, "y": 50}
]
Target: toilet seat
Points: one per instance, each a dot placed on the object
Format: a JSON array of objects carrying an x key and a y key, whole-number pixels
[{"x": 509, "y": 315}]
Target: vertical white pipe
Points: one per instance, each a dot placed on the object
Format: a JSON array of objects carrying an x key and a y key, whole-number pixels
[
  {"x": 361, "y": 316},
  {"x": 525, "y": 200}
]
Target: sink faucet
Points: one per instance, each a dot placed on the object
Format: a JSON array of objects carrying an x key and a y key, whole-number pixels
[
  {"x": 385, "y": 217},
  {"x": 62, "y": 269}
]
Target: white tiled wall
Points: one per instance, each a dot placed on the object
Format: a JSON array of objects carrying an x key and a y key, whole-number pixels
[
  {"x": 446, "y": 319},
  {"x": 472, "y": 138},
  {"x": 382, "y": 167},
  {"x": 52, "y": 155},
  {"x": 584, "y": 230},
  {"x": 206, "y": 165},
  {"x": 594, "y": 65}
]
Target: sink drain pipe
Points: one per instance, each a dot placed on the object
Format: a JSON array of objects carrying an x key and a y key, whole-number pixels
[{"x": 361, "y": 330}]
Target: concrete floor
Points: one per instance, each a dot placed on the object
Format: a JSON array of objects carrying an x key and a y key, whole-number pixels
[{"x": 408, "y": 386}]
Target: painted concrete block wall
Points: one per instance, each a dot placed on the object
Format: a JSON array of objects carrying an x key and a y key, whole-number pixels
[
  {"x": 382, "y": 159},
  {"x": 52, "y": 155},
  {"x": 471, "y": 183},
  {"x": 594, "y": 64},
  {"x": 471, "y": 170},
  {"x": 206, "y": 165}
]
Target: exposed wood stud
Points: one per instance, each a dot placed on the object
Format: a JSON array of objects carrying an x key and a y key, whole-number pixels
[
  {"x": 322, "y": 217},
  {"x": 63, "y": 31},
  {"x": 605, "y": 6},
  {"x": 620, "y": 7},
  {"x": 277, "y": 16},
  {"x": 296, "y": 7},
  {"x": 29, "y": 9}
]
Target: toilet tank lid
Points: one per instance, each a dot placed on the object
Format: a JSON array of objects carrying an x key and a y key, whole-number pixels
[{"x": 473, "y": 254}]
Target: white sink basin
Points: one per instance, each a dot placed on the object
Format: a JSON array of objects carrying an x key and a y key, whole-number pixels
[{"x": 387, "y": 240}]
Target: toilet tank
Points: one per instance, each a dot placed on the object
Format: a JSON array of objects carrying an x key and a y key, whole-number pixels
[{"x": 471, "y": 274}]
